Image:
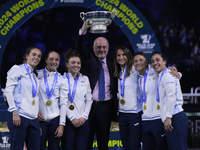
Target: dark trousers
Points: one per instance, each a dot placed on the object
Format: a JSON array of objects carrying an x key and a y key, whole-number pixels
[
  {"x": 99, "y": 122},
  {"x": 75, "y": 138},
  {"x": 130, "y": 130},
  {"x": 177, "y": 139},
  {"x": 48, "y": 133},
  {"x": 153, "y": 135},
  {"x": 28, "y": 131}
]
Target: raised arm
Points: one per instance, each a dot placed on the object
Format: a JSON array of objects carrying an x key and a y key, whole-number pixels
[{"x": 80, "y": 41}]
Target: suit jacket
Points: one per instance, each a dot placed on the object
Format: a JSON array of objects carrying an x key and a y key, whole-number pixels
[{"x": 91, "y": 67}]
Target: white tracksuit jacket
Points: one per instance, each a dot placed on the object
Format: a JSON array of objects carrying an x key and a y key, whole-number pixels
[
  {"x": 133, "y": 104},
  {"x": 18, "y": 91},
  {"x": 83, "y": 98},
  {"x": 58, "y": 100},
  {"x": 170, "y": 95},
  {"x": 151, "y": 112}
]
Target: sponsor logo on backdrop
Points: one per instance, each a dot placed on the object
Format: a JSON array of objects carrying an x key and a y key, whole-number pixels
[
  {"x": 189, "y": 99},
  {"x": 5, "y": 139},
  {"x": 146, "y": 46},
  {"x": 145, "y": 38},
  {"x": 5, "y": 143}
]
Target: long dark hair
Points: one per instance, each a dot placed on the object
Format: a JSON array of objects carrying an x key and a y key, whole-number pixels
[
  {"x": 129, "y": 63},
  {"x": 28, "y": 51}
]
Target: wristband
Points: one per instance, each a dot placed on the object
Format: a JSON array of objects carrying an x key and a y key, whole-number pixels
[{"x": 15, "y": 114}]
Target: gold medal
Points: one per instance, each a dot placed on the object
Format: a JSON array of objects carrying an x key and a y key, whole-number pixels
[
  {"x": 158, "y": 106},
  {"x": 122, "y": 101},
  {"x": 48, "y": 103},
  {"x": 145, "y": 107},
  {"x": 33, "y": 102},
  {"x": 71, "y": 107}
]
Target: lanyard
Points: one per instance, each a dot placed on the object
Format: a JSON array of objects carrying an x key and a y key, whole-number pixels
[
  {"x": 34, "y": 86},
  {"x": 143, "y": 91},
  {"x": 122, "y": 82},
  {"x": 71, "y": 96},
  {"x": 49, "y": 94},
  {"x": 157, "y": 96}
]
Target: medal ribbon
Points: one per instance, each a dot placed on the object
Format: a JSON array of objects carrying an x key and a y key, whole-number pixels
[
  {"x": 49, "y": 94},
  {"x": 143, "y": 91},
  {"x": 71, "y": 96},
  {"x": 122, "y": 82},
  {"x": 157, "y": 96},
  {"x": 34, "y": 89}
]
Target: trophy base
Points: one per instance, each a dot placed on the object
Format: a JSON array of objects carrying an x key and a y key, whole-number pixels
[
  {"x": 98, "y": 31},
  {"x": 98, "y": 20},
  {"x": 98, "y": 25}
]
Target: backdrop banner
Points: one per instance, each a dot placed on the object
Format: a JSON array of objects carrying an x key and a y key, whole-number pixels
[{"x": 128, "y": 18}]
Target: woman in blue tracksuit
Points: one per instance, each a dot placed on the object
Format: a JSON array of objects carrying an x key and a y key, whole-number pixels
[
  {"x": 53, "y": 94},
  {"x": 78, "y": 104},
  {"x": 170, "y": 98},
  {"x": 21, "y": 94},
  {"x": 130, "y": 106}
]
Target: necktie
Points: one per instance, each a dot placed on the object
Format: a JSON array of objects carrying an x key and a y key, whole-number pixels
[{"x": 101, "y": 84}]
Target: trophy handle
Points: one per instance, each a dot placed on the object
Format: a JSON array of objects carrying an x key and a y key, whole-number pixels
[
  {"x": 114, "y": 12},
  {"x": 82, "y": 15}
]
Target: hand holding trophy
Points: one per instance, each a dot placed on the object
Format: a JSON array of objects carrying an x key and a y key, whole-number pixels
[{"x": 97, "y": 20}]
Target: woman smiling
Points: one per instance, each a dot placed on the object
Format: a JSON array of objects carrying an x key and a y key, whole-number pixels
[
  {"x": 78, "y": 104},
  {"x": 170, "y": 97},
  {"x": 22, "y": 95},
  {"x": 53, "y": 94},
  {"x": 130, "y": 107},
  {"x": 152, "y": 126}
]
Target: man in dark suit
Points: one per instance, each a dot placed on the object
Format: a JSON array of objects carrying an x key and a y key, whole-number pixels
[{"x": 104, "y": 106}]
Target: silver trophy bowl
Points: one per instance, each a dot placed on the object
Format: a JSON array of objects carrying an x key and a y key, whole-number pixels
[{"x": 98, "y": 20}]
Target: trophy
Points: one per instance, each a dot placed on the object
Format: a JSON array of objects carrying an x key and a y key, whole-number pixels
[{"x": 98, "y": 20}]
